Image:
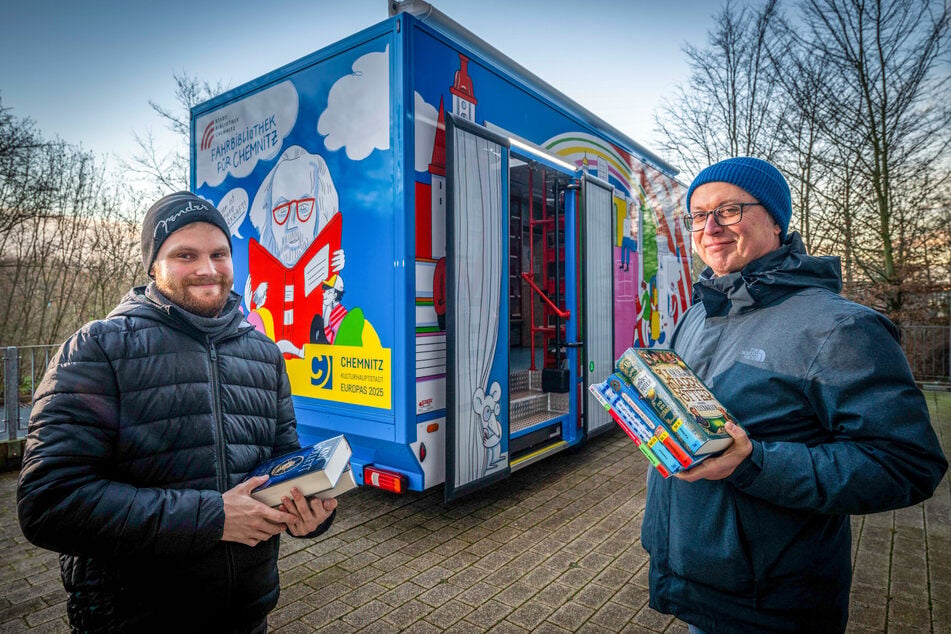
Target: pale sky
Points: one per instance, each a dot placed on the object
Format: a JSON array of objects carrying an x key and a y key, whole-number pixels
[{"x": 85, "y": 71}]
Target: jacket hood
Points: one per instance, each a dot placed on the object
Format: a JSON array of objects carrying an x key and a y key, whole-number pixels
[
  {"x": 149, "y": 303},
  {"x": 768, "y": 279}
]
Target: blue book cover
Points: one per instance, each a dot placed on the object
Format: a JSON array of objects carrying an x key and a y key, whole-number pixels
[
  {"x": 311, "y": 469},
  {"x": 655, "y": 425},
  {"x": 629, "y": 420},
  {"x": 598, "y": 390}
]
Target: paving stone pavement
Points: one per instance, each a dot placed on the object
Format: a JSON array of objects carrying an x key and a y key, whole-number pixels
[{"x": 554, "y": 548}]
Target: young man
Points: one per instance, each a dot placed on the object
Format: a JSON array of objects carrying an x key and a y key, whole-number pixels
[
  {"x": 143, "y": 428},
  {"x": 758, "y": 539}
]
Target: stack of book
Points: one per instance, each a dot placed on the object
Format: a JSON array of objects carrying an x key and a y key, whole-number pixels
[
  {"x": 321, "y": 470},
  {"x": 665, "y": 409}
]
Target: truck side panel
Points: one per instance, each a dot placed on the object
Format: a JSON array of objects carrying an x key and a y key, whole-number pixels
[{"x": 302, "y": 163}]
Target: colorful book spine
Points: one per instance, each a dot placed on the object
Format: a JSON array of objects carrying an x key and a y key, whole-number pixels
[
  {"x": 644, "y": 449},
  {"x": 655, "y": 452},
  {"x": 653, "y": 423},
  {"x": 632, "y": 420}
]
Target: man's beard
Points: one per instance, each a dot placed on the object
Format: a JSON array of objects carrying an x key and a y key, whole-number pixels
[
  {"x": 176, "y": 290},
  {"x": 290, "y": 254},
  {"x": 282, "y": 249}
]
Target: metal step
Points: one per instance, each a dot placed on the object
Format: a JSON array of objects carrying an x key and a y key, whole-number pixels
[{"x": 528, "y": 405}]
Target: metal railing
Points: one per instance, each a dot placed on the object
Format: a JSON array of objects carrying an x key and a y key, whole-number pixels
[
  {"x": 23, "y": 367},
  {"x": 928, "y": 349}
]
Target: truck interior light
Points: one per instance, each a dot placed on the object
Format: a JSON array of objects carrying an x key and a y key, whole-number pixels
[{"x": 540, "y": 153}]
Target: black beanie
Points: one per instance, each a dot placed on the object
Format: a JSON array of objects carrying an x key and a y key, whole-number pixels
[{"x": 171, "y": 213}]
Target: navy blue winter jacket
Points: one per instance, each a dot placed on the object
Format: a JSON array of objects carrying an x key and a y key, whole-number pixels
[
  {"x": 838, "y": 427},
  {"x": 142, "y": 421}
]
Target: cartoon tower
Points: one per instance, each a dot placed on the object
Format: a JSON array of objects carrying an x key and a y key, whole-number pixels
[
  {"x": 463, "y": 105},
  {"x": 463, "y": 97},
  {"x": 590, "y": 165},
  {"x": 437, "y": 172}
]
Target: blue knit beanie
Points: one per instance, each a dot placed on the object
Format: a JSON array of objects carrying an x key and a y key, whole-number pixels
[{"x": 757, "y": 177}]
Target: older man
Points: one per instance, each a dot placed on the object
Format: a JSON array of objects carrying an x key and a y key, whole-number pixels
[
  {"x": 758, "y": 539},
  {"x": 144, "y": 427},
  {"x": 297, "y": 214}
]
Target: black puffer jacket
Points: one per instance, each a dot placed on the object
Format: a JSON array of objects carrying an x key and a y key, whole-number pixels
[{"x": 142, "y": 421}]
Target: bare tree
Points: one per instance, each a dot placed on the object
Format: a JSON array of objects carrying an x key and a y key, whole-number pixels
[
  {"x": 24, "y": 188},
  {"x": 847, "y": 98},
  {"x": 157, "y": 171},
  {"x": 729, "y": 106},
  {"x": 65, "y": 242},
  {"x": 886, "y": 110},
  {"x": 68, "y": 230}
]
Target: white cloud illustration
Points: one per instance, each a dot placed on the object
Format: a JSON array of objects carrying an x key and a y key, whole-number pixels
[
  {"x": 358, "y": 108},
  {"x": 427, "y": 118}
]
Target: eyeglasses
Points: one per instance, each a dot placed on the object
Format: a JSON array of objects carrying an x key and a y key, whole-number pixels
[
  {"x": 724, "y": 215},
  {"x": 303, "y": 207}
]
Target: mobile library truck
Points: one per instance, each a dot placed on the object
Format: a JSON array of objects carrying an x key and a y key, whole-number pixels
[{"x": 447, "y": 249}]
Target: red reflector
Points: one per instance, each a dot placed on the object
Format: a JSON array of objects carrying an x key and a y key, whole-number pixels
[{"x": 386, "y": 480}]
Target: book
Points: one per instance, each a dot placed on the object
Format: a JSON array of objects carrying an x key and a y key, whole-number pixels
[
  {"x": 655, "y": 426},
  {"x": 631, "y": 419},
  {"x": 295, "y": 294},
  {"x": 312, "y": 469},
  {"x": 595, "y": 390},
  {"x": 344, "y": 484},
  {"x": 678, "y": 397}
]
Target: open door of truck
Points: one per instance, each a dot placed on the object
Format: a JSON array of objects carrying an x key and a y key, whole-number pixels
[
  {"x": 477, "y": 331},
  {"x": 598, "y": 321}
]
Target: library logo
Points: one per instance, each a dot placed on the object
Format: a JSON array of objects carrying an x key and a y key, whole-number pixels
[
  {"x": 208, "y": 136},
  {"x": 322, "y": 372}
]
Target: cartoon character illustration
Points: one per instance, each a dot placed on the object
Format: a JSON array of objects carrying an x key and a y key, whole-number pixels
[
  {"x": 296, "y": 212},
  {"x": 702, "y": 421},
  {"x": 334, "y": 311},
  {"x": 629, "y": 237},
  {"x": 261, "y": 318},
  {"x": 487, "y": 408}
]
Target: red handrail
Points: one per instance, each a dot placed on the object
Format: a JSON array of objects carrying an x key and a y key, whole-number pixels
[{"x": 564, "y": 314}]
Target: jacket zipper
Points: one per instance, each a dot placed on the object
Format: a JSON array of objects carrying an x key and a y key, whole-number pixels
[
  {"x": 222, "y": 477},
  {"x": 220, "y": 472}
]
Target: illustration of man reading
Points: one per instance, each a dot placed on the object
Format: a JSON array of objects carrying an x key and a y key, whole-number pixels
[{"x": 296, "y": 212}]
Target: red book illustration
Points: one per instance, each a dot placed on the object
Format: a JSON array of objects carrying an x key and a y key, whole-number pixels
[{"x": 295, "y": 295}]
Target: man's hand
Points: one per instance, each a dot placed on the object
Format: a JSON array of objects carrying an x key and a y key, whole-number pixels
[
  {"x": 307, "y": 514},
  {"x": 723, "y": 465},
  {"x": 338, "y": 261},
  {"x": 248, "y": 521}
]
